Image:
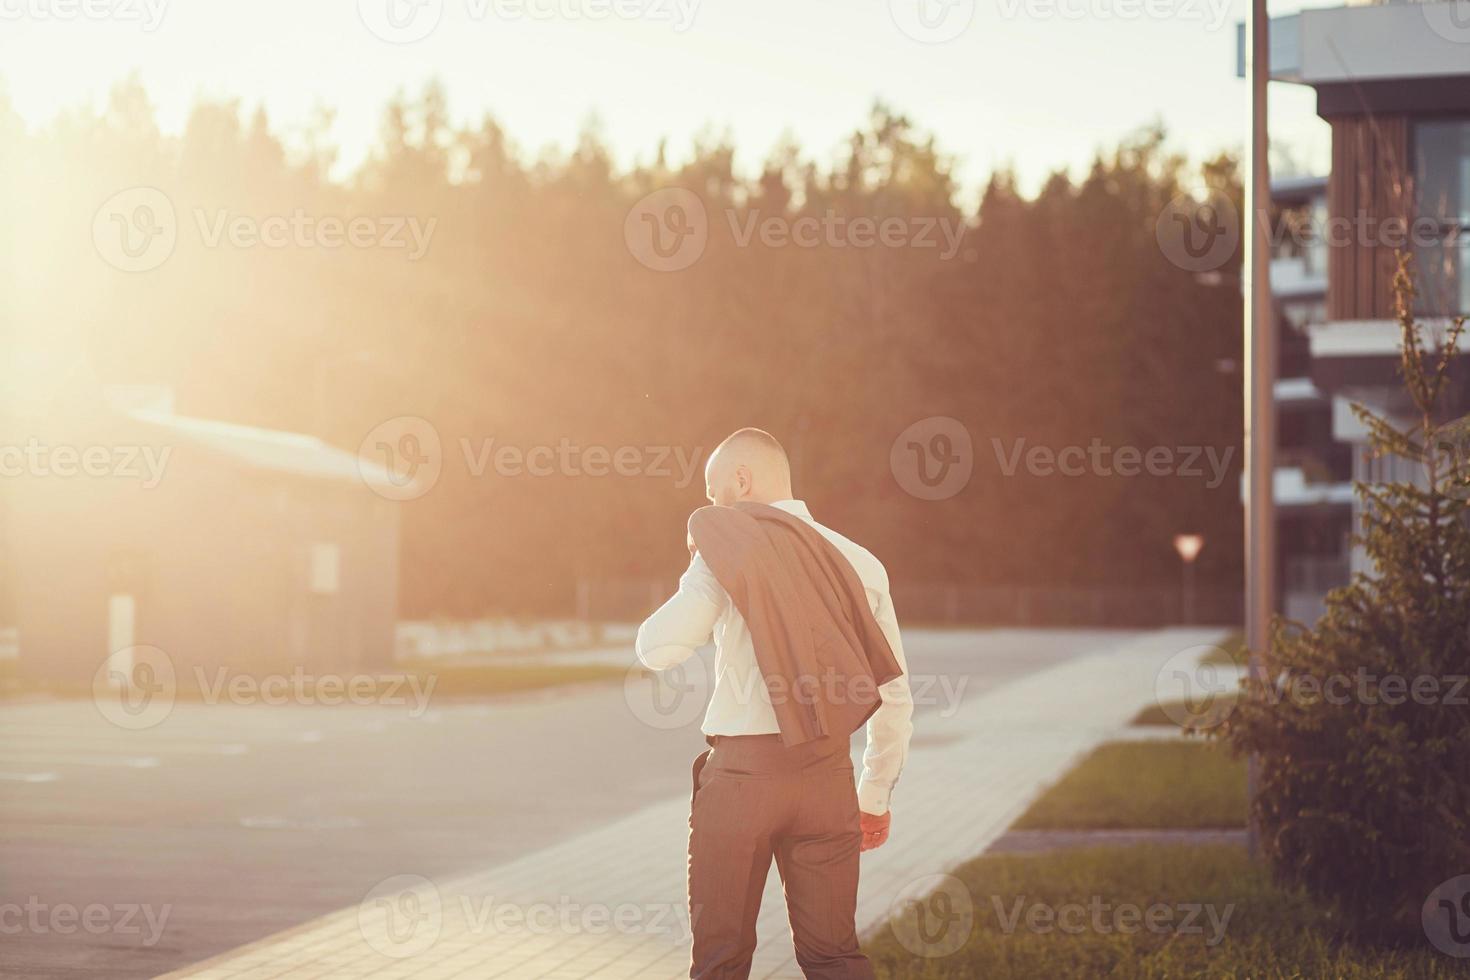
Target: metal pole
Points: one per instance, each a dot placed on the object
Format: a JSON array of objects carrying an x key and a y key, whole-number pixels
[
  {"x": 1260, "y": 371},
  {"x": 1187, "y": 592}
]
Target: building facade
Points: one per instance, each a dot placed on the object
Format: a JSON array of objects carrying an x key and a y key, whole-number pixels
[
  {"x": 1393, "y": 82},
  {"x": 231, "y": 549}
]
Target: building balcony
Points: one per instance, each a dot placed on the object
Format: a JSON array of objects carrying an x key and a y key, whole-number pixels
[{"x": 1349, "y": 45}]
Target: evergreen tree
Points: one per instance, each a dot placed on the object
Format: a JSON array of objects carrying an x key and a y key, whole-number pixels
[{"x": 1361, "y": 724}]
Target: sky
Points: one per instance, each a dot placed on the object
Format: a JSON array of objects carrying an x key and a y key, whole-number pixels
[{"x": 1037, "y": 85}]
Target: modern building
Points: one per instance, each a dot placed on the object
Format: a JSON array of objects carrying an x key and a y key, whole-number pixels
[
  {"x": 1393, "y": 82},
  {"x": 224, "y": 546}
]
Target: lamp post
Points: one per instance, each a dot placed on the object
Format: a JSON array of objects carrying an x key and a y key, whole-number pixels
[
  {"x": 1188, "y": 546},
  {"x": 1260, "y": 373}
]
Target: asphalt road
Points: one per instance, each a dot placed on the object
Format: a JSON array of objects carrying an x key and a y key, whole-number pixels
[{"x": 129, "y": 852}]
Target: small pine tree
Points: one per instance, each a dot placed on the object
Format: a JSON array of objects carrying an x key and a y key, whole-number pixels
[{"x": 1363, "y": 783}]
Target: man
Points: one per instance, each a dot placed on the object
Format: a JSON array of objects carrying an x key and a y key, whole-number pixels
[{"x": 756, "y": 796}]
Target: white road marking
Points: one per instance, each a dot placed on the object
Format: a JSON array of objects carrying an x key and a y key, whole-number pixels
[
  {"x": 128, "y": 762},
  {"x": 133, "y": 741},
  {"x": 29, "y": 777}
]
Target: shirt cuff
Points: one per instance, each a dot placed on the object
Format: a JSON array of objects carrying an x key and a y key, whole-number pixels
[{"x": 874, "y": 799}]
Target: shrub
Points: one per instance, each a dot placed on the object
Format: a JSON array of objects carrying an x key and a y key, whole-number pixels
[{"x": 1363, "y": 788}]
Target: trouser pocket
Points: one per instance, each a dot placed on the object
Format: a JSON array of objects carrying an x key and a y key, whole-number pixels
[{"x": 698, "y": 768}]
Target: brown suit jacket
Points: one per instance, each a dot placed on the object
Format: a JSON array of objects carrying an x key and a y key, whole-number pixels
[{"x": 817, "y": 644}]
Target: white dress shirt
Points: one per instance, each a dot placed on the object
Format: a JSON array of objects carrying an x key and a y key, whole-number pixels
[{"x": 740, "y": 704}]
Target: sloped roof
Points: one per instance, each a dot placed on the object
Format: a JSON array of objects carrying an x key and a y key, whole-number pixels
[{"x": 268, "y": 449}]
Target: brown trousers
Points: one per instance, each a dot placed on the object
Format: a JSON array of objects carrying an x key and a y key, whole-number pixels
[{"x": 755, "y": 799}]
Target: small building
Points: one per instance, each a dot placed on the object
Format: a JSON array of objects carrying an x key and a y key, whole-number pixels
[{"x": 225, "y": 546}]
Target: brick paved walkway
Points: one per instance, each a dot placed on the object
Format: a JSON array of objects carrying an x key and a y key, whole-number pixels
[{"x": 611, "y": 903}]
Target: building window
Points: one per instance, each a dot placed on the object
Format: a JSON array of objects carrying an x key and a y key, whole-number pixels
[
  {"x": 326, "y": 569},
  {"x": 1442, "y": 193}
]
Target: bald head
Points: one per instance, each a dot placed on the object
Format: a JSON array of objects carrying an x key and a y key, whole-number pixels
[{"x": 749, "y": 465}]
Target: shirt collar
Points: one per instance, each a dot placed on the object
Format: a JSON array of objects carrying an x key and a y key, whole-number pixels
[{"x": 796, "y": 507}]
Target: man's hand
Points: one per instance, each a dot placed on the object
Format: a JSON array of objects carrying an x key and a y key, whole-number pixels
[{"x": 875, "y": 829}]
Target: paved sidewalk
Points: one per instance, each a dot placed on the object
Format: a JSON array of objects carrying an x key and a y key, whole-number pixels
[{"x": 611, "y": 903}]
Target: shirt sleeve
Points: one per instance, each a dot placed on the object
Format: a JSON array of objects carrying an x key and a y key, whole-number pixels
[
  {"x": 891, "y": 726},
  {"x": 685, "y": 622}
]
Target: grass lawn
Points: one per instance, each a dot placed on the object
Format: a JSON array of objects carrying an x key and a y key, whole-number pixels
[
  {"x": 1145, "y": 785},
  {"x": 479, "y": 680},
  {"x": 1245, "y": 927},
  {"x": 468, "y": 681},
  {"x": 1218, "y": 707},
  {"x": 1231, "y": 650}
]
